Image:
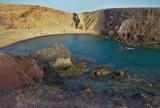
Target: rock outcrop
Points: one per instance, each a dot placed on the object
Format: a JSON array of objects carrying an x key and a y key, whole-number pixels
[
  {"x": 76, "y": 20},
  {"x": 57, "y": 56},
  {"x": 129, "y": 25},
  {"x": 53, "y": 53},
  {"x": 18, "y": 71},
  {"x": 57, "y": 59},
  {"x": 62, "y": 63}
]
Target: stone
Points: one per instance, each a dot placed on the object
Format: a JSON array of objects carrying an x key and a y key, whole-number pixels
[
  {"x": 120, "y": 75},
  {"x": 76, "y": 70},
  {"x": 56, "y": 57},
  {"x": 18, "y": 71},
  {"x": 53, "y": 53},
  {"x": 62, "y": 63},
  {"x": 102, "y": 72},
  {"x": 88, "y": 90},
  {"x": 57, "y": 60}
]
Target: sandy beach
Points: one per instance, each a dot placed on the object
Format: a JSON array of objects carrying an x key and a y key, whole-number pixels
[{"x": 8, "y": 37}]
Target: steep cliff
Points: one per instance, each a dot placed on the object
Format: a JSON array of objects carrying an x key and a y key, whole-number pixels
[
  {"x": 133, "y": 25},
  {"x": 129, "y": 25}
]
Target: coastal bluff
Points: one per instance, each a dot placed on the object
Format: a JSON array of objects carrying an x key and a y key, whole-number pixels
[{"x": 137, "y": 26}]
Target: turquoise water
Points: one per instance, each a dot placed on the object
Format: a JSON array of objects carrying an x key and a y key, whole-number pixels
[{"x": 141, "y": 61}]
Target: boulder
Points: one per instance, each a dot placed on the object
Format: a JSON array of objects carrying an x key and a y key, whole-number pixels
[
  {"x": 57, "y": 57},
  {"x": 76, "y": 70},
  {"x": 18, "y": 71},
  {"x": 57, "y": 60},
  {"x": 53, "y": 53},
  {"x": 62, "y": 63}
]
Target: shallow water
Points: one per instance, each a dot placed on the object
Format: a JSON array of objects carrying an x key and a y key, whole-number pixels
[{"x": 141, "y": 61}]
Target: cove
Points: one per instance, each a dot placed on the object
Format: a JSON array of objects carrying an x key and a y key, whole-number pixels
[{"x": 140, "y": 61}]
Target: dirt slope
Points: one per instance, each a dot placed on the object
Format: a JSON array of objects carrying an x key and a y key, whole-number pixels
[{"x": 25, "y": 16}]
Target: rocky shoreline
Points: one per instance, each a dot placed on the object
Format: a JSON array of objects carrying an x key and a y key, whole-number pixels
[{"x": 69, "y": 82}]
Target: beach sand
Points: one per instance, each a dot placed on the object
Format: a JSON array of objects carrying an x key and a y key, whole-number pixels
[{"x": 8, "y": 37}]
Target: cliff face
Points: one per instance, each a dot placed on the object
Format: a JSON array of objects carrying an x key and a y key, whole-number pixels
[
  {"x": 93, "y": 21},
  {"x": 136, "y": 25},
  {"x": 131, "y": 25}
]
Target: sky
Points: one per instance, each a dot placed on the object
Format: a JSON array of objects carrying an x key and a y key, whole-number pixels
[{"x": 86, "y": 5}]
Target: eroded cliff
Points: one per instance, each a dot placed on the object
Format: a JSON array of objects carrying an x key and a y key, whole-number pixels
[
  {"x": 140, "y": 26},
  {"x": 133, "y": 25}
]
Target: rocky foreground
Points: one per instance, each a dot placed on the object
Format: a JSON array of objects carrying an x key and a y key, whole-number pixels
[
  {"x": 51, "y": 97},
  {"x": 40, "y": 81},
  {"x": 137, "y": 26}
]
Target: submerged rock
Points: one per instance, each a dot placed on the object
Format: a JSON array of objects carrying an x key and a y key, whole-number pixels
[
  {"x": 120, "y": 75},
  {"x": 88, "y": 90},
  {"x": 102, "y": 72},
  {"x": 18, "y": 71},
  {"x": 76, "y": 70}
]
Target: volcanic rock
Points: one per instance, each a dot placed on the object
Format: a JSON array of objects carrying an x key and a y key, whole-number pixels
[{"x": 18, "y": 71}]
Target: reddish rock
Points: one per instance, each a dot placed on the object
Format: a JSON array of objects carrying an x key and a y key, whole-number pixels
[{"x": 18, "y": 71}]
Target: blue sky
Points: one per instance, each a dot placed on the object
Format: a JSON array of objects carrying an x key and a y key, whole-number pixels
[{"x": 86, "y": 5}]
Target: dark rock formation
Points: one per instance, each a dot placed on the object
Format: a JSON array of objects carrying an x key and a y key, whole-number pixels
[
  {"x": 119, "y": 75},
  {"x": 18, "y": 72},
  {"x": 76, "y": 20}
]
